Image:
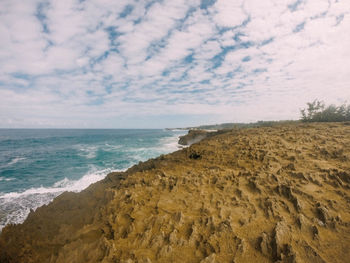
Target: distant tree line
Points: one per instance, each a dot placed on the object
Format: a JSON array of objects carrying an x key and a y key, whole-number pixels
[
  {"x": 317, "y": 111},
  {"x": 236, "y": 125}
]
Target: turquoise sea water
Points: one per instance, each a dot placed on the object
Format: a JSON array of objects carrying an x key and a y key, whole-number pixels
[{"x": 38, "y": 165}]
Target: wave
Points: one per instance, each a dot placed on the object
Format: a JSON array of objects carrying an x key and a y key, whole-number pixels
[
  {"x": 15, "y": 160},
  {"x": 6, "y": 179},
  {"x": 89, "y": 152},
  {"x": 163, "y": 146},
  {"x": 110, "y": 147},
  {"x": 168, "y": 144},
  {"x": 15, "y": 206}
]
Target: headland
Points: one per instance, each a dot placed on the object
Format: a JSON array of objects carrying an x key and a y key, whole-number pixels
[{"x": 268, "y": 194}]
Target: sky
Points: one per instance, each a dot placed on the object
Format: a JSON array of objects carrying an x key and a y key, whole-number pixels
[{"x": 171, "y": 63}]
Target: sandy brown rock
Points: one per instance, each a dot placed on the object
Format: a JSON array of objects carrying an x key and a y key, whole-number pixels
[{"x": 278, "y": 194}]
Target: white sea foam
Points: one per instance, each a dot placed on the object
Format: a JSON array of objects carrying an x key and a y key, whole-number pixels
[
  {"x": 15, "y": 206},
  {"x": 165, "y": 145},
  {"x": 15, "y": 160},
  {"x": 6, "y": 179},
  {"x": 88, "y": 152},
  {"x": 170, "y": 144},
  {"x": 111, "y": 148}
]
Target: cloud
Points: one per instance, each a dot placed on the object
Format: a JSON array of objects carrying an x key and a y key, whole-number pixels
[
  {"x": 102, "y": 63},
  {"x": 229, "y": 13}
]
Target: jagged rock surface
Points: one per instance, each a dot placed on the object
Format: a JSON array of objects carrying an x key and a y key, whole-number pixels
[{"x": 278, "y": 194}]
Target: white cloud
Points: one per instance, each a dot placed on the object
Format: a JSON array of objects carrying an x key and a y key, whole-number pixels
[
  {"x": 155, "y": 25},
  {"x": 65, "y": 67},
  {"x": 229, "y": 13}
]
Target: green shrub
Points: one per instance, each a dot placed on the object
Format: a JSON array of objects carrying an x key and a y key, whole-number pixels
[{"x": 316, "y": 111}]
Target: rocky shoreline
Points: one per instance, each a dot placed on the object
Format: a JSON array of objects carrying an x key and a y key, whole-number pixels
[
  {"x": 278, "y": 194},
  {"x": 193, "y": 136}
]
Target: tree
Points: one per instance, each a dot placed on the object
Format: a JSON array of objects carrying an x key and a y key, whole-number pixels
[
  {"x": 313, "y": 108},
  {"x": 316, "y": 111}
]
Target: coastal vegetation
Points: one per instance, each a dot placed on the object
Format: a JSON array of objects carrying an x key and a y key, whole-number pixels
[
  {"x": 237, "y": 125},
  {"x": 317, "y": 111}
]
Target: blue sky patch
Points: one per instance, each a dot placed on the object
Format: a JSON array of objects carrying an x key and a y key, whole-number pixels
[
  {"x": 127, "y": 11},
  {"x": 246, "y": 59},
  {"x": 294, "y": 6},
  {"x": 299, "y": 27},
  {"x": 41, "y": 16},
  {"x": 207, "y": 3}
]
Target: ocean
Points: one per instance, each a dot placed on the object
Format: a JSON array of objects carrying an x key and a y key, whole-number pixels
[{"x": 36, "y": 165}]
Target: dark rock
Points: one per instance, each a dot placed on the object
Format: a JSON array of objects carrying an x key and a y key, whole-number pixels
[{"x": 193, "y": 136}]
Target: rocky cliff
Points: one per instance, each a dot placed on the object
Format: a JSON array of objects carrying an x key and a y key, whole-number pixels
[
  {"x": 193, "y": 136},
  {"x": 278, "y": 194}
]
